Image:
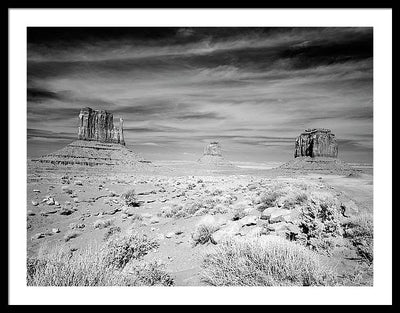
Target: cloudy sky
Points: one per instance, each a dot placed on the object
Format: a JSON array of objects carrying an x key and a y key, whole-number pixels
[{"x": 252, "y": 89}]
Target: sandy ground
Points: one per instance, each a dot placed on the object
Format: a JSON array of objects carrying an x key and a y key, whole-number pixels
[{"x": 96, "y": 196}]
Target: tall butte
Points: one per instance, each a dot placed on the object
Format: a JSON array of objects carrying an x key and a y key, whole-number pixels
[
  {"x": 99, "y": 143},
  {"x": 99, "y": 126},
  {"x": 316, "y": 149}
]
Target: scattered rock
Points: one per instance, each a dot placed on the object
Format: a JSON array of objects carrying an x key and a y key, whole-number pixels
[
  {"x": 50, "y": 201},
  {"x": 248, "y": 220},
  {"x": 169, "y": 235},
  {"x": 278, "y": 215},
  {"x": 66, "y": 211},
  {"x": 55, "y": 230},
  {"x": 154, "y": 220},
  {"x": 38, "y": 236}
]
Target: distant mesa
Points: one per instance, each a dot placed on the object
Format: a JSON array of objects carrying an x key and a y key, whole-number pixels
[
  {"x": 212, "y": 156},
  {"x": 99, "y": 143},
  {"x": 316, "y": 149}
]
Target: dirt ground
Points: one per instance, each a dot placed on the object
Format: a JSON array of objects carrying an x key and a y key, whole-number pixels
[{"x": 62, "y": 198}]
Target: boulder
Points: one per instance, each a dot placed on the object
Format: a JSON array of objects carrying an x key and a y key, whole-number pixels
[
  {"x": 278, "y": 215},
  {"x": 248, "y": 220},
  {"x": 266, "y": 214},
  {"x": 349, "y": 208},
  {"x": 230, "y": 230}
]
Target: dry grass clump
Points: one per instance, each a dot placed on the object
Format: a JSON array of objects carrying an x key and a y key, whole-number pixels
[
  {"x": 151, "y": 274},
  {"x": 264, "y": 261},
  {"x": 94, "y": 266},
  {"x": 268, "y": 199},
  {"x": 130, "y": 198},
  {"x": 359, "y": 230},
  {"x": 295, "y": 199},
  {"x": 122, "y": 249},
  {"x": 204, "y": 230}
]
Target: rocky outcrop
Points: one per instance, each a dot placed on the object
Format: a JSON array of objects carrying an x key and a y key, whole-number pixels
[
  {"x": 99, "y": 126},
  {"x": 316, "y": 142},
  {"x": 212, "y": 156}
]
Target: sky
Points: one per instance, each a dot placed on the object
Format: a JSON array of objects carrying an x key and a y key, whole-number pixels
[{"x": 252, "y": 89}]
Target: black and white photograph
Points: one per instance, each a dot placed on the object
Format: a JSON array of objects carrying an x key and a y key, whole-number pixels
[{"x": 188, "y": 156}]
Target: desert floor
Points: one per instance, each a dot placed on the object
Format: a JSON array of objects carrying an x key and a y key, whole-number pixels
[{"x": 65, "y": 197}]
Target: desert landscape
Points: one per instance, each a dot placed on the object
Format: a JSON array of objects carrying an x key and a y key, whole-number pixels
[
  {"x": 220, "y": 156},
  {"x": 208, "y": 222}
]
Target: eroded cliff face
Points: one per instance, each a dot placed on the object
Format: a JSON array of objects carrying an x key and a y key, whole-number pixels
[
  {"x": 99, "y": 126},
  {"x": 316, "y": 142}
]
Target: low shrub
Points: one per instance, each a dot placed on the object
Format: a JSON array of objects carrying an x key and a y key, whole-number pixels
[
  {"x": 359, "y": 230},
  {"x": 296, "y": 199},
  {"x": 239, "y": 211},
  {"x": 268, "y": 199},
  {"x": 122, "y": 249},
  {"x": 151, "y": 274},
  {"x": 111, "y": 231},
  {"x": 264, "y": 261},
  {"x": 200, "y": 207},
  {"x": 130, "y": 198},
  {"x": 204, "y": 230}
]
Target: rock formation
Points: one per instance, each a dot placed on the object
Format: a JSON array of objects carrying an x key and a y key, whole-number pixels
[
  {"x": 316, "y": 142},
  {"x": 99, "y": 143},
  {"x": 316, "y": 149},
  {"x": 99, "y": 126},
  {"x": 213, "y": 156},
  {"x": 214, "y": 148}
]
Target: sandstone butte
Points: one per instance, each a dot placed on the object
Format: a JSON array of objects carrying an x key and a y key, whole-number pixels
[
  {"x": 316, "y": 142},
  {"x": 99, "y": 126},
  {"x": 316, "y": 149},
  {"x": 99, "y": 143}
]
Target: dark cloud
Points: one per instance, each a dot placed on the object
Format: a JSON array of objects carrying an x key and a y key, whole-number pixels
[{"x": 37, "y": 94}]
